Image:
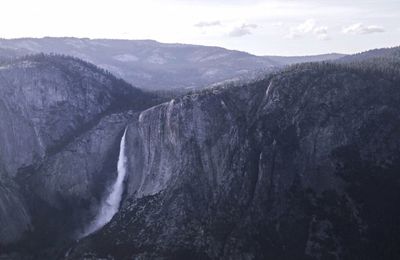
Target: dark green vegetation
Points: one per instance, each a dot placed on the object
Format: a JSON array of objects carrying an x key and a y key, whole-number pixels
[{"x": 385, "y": 53}]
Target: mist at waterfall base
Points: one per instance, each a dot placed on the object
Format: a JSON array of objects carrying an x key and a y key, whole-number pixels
[{"x": 110, "y": 205}]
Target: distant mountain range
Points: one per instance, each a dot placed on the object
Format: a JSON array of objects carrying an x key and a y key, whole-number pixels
[{"x": 152, "y": 65}]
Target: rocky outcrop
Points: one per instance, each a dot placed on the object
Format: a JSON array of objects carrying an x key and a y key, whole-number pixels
[
  {"x": 60, "y": 122},
  {"x": 301, "y": 165},
  {"x": 46, "y": 100}
]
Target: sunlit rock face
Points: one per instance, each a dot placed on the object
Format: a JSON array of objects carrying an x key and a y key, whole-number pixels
[{"x": 297, "y": 166}]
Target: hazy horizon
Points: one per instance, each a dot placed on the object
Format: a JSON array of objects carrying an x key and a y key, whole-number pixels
[{"x": 267, "y": 54}]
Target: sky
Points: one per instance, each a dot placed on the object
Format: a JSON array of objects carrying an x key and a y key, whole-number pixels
[{"x": 261, "y": 27}]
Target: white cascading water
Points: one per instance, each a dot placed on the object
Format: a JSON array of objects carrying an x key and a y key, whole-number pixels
[{"x": 111, "y": 204}]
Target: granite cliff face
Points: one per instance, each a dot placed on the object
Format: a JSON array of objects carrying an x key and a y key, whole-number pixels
[
  {"x": 45, "y": 100},
  {"x": 60, "y": 122},
  {"x": 301, "y": 165}
]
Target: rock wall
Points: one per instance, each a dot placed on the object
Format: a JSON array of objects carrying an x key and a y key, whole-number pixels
[{"x": 300, "y": 165}]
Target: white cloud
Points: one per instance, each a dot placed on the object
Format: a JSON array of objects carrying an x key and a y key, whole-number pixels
[
  {"x": 359, "y": 28},
  {"x": 208, "y": 24},
  {"x": 322, "y": 33},
  {"x": 242, "y": 30},
  {"x": 306, "y": 27},
  {"x": 309, "y": 27}
]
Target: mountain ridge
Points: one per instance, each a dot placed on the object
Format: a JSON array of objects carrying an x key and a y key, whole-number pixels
[{"x": 152, "y": 65}]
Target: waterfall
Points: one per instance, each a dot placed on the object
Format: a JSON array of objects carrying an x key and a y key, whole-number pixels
[{"x": 110, "y": 205}]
